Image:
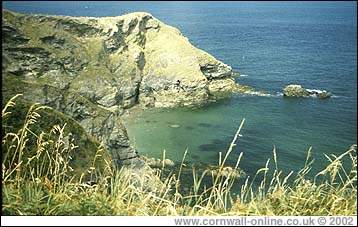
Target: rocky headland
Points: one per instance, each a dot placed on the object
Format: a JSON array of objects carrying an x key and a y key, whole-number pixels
[{"x": 92, "y": 70}]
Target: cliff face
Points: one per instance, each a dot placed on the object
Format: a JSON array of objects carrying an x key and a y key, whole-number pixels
[{"x": 93, "y": 68}]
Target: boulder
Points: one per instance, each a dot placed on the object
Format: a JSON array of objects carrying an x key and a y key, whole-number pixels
[
  {"x": 158, "y": 163},
  {"x": 294, "y": 90}
]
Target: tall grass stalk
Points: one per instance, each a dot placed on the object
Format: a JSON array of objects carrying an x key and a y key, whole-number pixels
[{"x": 40, "y": 181}]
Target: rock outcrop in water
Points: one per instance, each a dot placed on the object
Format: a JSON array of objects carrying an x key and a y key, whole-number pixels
[
  {"x": 92, "y": 69},
  {"x": 294, "y": 90}
]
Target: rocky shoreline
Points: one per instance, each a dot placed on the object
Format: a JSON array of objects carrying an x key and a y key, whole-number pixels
[{"x": 96, "y": 70}]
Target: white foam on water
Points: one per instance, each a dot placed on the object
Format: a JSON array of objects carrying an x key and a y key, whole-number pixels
[
  {"x": 316, "y": 91},
  {"x": 257, "y": 93},
  {"x": 243, "y": 75},
  {"x": 280, "y": 94}
]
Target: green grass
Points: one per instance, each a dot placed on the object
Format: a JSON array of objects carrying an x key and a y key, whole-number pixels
[{"x": 38, "y": 180}]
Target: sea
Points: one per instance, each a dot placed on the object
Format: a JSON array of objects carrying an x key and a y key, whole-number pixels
[{"x": 271, "y": 45}]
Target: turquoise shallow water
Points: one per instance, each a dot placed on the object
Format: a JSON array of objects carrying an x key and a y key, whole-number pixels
[
  {"x": 274, "y": 44},
  {"x": 291, "y": 125}
]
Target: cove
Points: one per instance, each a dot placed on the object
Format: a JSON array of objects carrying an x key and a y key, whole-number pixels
[{"x": 291, "y": 125}]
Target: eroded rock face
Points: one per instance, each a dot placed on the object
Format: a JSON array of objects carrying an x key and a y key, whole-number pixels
[
  {"x": 94, "y": 68},
  {"x": 104, "y": 125},
  {"x": 116, "y": 62}
]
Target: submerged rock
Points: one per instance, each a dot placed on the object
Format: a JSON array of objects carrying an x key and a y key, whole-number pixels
[
  {"x": 158, "y": 163},
  {"x": 205, "y": 125},
  {"x": 322, "y": 94},
  {"x": 226, "y": 171}
]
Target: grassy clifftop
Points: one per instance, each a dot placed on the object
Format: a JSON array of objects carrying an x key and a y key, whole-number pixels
[{"x": 116, "y": 62}]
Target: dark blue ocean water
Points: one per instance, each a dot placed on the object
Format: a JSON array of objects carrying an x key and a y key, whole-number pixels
[{"x": 274, "y": 44}]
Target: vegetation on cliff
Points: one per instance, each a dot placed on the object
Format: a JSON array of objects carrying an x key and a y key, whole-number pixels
[
  {"x": 93, "y": 69},
  {"x": 64, "y": 158},
  {"x": 38, "y": 179},
  {"x": 115, "y": 62}
]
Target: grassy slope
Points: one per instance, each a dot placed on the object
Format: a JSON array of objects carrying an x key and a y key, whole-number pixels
[
  {"x": 28, "y": 191},
  {"x": 34, "y": 187},
  {"x": 87, "y": 146}
]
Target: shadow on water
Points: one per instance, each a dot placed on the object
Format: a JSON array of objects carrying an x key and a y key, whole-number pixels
[
  {"x": 150, "y": 121},
  {"x": 195, "y": 156},
  {"x": 205, "y": 125},
  {"x": 215, "y": 145}
]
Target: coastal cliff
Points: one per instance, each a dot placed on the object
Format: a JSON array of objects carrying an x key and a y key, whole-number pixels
[{"x": 92, "y": 69}]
